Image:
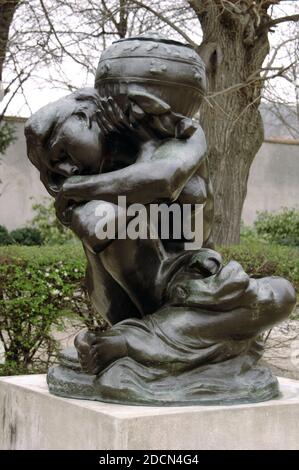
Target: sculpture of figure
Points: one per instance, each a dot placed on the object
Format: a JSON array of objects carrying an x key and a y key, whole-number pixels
[{"x": 181, "y": 321}]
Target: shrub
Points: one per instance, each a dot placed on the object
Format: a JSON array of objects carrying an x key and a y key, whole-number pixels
[
  {"x": 281, "y": 227},
  {"x": 7, "y": 136},
  {"x": 44, "y": 228},
  {"x": 27, "y": 236},
  {"x": 38, "y": 289},
  {"x": 45, "y": 220},
  {"x": 5, "y": 237},
  {"x": 248, "y": 234}
]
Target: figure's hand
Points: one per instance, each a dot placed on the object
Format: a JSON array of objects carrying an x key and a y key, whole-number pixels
[
  {"x": 64, "y": 204},
  {"x": 110, "y": 116},
  {"x": 159, "y": 117},
  {"x": 112, "y": 119},
  {"x": 147, "y": 116},
  {"x": 185, "y": 128}
]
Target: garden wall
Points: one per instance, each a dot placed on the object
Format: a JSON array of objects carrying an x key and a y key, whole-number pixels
[{"x": 273, "y": 181}]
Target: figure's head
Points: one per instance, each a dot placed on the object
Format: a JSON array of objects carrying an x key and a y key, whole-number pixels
[
  {"x": 169, "y": 70},
  {"x": 64, "y": 139}
]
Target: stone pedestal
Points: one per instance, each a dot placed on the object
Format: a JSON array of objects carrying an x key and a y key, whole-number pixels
[{"x": 31, "y": 418}]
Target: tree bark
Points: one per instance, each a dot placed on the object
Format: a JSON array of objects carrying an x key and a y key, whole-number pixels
[
  {"x": 235, "y": 44},
  {"x": 7, "y": 10}
]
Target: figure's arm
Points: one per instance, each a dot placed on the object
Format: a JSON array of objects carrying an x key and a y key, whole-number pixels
[{"x": 163, "y": 177}]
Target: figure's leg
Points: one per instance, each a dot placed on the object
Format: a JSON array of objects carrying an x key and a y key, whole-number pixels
[
  {"x": 124, "y": 265},
  {"x": 140, "y": 340},
  {"x": 95, "y": 223},
  {"x": 106, "y": 295},
  {"x": 274, "y": 301},
  {"x": 199, "y": 190},
  {"x": 223, "y": 309},
  {"x": 232, "y": 305}
]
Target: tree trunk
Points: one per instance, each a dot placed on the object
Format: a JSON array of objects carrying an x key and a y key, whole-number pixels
[
  {"x": 235, "y": 44},
  {"x": 7, "y": 10}
]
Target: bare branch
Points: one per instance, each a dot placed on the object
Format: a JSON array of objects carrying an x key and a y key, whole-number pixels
[
  {"x": 167, "y": 21},
  {"x": 283, "y": 19},
  {"x": 7, "y": 11},
  {"x": 56, "y": 35}
]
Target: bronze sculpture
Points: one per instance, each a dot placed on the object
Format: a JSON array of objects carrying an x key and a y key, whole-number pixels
[{"x": 185, "y": 329}]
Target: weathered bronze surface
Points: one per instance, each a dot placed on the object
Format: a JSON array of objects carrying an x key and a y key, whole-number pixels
[{"x": 185, "y": 329}]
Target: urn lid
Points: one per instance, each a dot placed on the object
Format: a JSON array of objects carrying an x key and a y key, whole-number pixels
[{"x": 152, "y": 58}]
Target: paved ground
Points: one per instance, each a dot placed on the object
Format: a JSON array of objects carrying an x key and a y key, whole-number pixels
[
  {"x": 282, "y": 349},
  {"x": 1, "y": 353}
]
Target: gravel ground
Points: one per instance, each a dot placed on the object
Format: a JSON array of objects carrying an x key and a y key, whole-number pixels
[{"x": 282, "y": 349}]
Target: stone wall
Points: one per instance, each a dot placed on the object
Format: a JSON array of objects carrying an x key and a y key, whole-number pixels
[
  {"x": 273, "y": 181},
  {"x": 19, "y": 183}
]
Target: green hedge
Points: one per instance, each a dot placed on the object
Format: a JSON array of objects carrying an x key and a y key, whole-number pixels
[
  {"x": 281, "y": 228},
  {"x": 28, "y": 236},
  {"x": 46, "y": 254},
  {"x": 278, "y": 228},
  {"x": 7, "y": 136},
  {"x": 5, "y": 237},
  {"x": 41, "y": 286}
]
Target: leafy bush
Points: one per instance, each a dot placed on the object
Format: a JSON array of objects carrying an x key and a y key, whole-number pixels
[
  {"x": 7, "y": 136},
  {"x": 281, "y": 227},
  {"x": 21, "y": 236},
  {"x": 44, "y": 228},
  {"x": 27, "y": 236},
  {"x": 39, "y": 288},
  {"x": 45, "y": 220},
  {"x": 5, "y": 237},
  {"x": 248, "y": 234}
]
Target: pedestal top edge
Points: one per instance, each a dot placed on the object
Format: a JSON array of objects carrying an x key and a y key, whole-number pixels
[{"x": 37, "y": 384}]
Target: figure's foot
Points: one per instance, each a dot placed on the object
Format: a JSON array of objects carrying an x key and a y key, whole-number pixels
[
  {"x": 206, "y": 262},
  {"x": 276, "y": 297},
  {"x": 97, "y": 349},
  {"x": 83, "y": 343}
]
